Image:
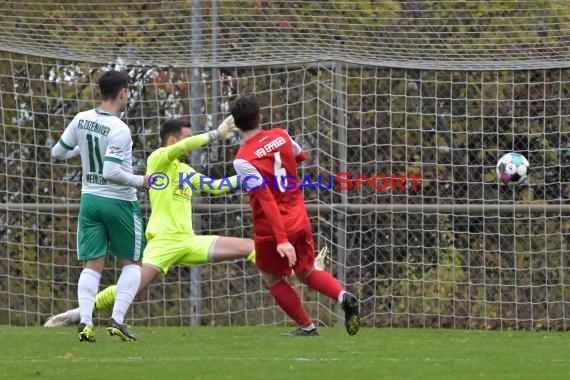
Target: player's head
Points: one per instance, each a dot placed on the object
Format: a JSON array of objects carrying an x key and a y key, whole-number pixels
[
  {"x": 174, "y": 130},
  {"x": 245, "y": 111},
  {"x": 114, "y": 87}
]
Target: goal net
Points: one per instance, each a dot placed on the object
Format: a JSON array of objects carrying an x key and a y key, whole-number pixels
[{"x": 425, "y": 94}]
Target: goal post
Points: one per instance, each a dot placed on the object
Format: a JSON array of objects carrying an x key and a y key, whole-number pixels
[{"x": 400, "y": 90}]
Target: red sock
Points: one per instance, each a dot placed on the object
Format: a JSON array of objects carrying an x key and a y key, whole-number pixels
[
  {"x": 290, "y": 302},
  {"x": 323, "y": 282}
]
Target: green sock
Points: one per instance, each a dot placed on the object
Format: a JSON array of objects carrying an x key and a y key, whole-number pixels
[
  {"x": 251, "y": 257},
  {"x": 105, "y": 298}
]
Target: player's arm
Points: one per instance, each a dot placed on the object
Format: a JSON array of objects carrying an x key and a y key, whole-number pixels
[
  {"x": 61, "y": 153},
  {"x": 174, "y": 151},
  {"x": 253, "y": 183},
  {"x": 206, "y": 184},
  {"x": 163, "y": 157},
  {"x": 271, "y": 210},
  {"x": 297, "y": 150},
  {"x": 120, "y": 145},
  {"x": 66, "y": 147}
]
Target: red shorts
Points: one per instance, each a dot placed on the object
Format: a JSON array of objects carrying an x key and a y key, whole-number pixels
[{"x": 268, "y": 260}]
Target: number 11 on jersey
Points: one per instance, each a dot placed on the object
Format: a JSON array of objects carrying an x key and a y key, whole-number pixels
[{"x": 93, "y": 148}]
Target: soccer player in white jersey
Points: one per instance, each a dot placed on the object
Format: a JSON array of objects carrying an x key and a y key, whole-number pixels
[{"x": 109, "y": 213}]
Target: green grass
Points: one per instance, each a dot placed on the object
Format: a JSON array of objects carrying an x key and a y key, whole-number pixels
[{"x": 166, "y": 353}]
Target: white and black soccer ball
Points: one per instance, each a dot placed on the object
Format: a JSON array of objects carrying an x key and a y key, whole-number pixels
[{"x": 512, "y": 169}]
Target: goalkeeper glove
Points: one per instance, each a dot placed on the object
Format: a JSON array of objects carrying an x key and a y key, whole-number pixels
[{"x": 224, "y": 131}]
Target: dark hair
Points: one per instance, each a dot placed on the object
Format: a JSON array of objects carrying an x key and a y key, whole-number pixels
[
  {"x": 172, "y": 127},
  {"x": 110, "y": 83},
  {"x": 245, "y": 111}
]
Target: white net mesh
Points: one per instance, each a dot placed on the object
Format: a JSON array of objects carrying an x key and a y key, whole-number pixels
[
  {"x": 458, "y": 252},
  {"x": 444, "y": 34}
]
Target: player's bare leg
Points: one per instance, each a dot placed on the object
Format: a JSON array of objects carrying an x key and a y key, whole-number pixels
[
  {"x": 68, "y": 317},
  {"x": 230, "y": 248}
]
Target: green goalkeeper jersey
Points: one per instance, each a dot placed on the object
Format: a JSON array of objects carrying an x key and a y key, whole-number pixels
[{"x": 171, "y": 203}]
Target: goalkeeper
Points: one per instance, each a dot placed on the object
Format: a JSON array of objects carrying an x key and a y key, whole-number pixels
[{"x": 170, "y": 237}]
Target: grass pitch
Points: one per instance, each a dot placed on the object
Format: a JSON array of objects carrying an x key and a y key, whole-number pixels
[{"x": 169, "y": 353}]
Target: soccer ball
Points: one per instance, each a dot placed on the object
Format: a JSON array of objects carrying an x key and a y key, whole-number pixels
[{"x": 512, "y": 169}]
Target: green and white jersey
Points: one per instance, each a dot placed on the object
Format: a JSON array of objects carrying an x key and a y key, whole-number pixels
[{"x": 101, "y": 136}]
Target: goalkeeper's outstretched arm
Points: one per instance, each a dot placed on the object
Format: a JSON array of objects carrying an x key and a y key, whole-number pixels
[
  {"x": 206, "y": 184},
  {"x": 186, "y": 145},
  {"x": 170, "y": 153}
]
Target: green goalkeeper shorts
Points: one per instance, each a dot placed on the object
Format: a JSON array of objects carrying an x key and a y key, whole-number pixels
[
  {"x": 109, "y": 224},
  {"x": 162, "y": 252}
]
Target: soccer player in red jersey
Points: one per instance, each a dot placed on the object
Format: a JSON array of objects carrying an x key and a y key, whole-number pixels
[{"x": 267, "y": 165}]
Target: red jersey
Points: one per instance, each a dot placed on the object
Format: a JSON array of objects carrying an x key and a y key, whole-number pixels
[{"x": 268, "y": 160}]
